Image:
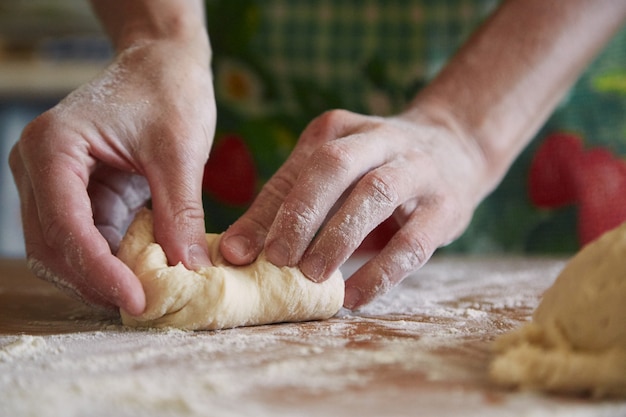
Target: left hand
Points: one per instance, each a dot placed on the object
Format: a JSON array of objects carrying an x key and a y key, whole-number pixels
[{"x": 347, "y": 174}]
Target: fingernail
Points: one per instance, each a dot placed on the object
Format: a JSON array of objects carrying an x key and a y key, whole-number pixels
[
  {"x": 239, "y": 245},
  {"x": 198, "y": 258},
  {"x": 278, "y": 253},
  {"x": 314, "y": 267},
  {"x": 351, "y": 298}
]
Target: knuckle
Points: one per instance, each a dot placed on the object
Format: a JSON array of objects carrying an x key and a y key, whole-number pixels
[
  {"x": 16, "y": 163},
  {"x": 302, "y": 212},
  {"x": 47, "y": 123},
  {"x": 417, "y": 249},
  {"x": 334, "y": 116},
  {"x": 39, "y": 144},
  {"x": 40, "y": 123},
  {"x": 387, "y": 275},
  {"x": 56, "y": 235},
  {"x": 64, "y": 279},
  {"x": 260, "y": 225},
  {"x": 279, "y": 185},
  {"x": 381, "y": 188},
  {"x": 40, "y": 269},
  {"x": 184, "y": 223},
  {"x": 328, "y": 122},
  {"x": 334, "y": 157},
  {"x": 52, "y": 232},
  {"x": 188, "y": 213}
]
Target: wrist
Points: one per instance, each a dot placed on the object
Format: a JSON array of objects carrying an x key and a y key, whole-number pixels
[
  {"x": 173, "y": 27},
  {"x": 141, "y": 22},
  {"x": 483, "y": 172}
]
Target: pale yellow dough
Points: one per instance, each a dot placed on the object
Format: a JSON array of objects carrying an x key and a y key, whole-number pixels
[
  {"x": 221, "y": 296},
  {"x": 576, "y": 342}
]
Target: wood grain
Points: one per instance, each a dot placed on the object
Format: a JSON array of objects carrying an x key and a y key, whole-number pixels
[{"x": 422, "y": 349}]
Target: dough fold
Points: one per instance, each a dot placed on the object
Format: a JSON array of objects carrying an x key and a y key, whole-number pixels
[
  {"x": 576, "y": 342},
  {"x": 220, "y": 296}
]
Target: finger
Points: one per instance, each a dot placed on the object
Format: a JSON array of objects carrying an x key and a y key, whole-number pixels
[
  {"x": 326, "y": 175},
  {"x": 372, "y": 201},
  {"x": 62, "y": 244},
  {"x": 427, "y": 229},
  {"x": 175, "y": 177},
  {"x": 116, "y": 197},
  {"x": 42, "y": 260},
  {"x": 244, "y": 239}
]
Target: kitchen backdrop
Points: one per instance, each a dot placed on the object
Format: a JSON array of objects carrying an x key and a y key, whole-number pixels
[{"x": 279, "y": 63}]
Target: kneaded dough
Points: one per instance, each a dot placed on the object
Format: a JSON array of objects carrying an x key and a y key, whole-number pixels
[
  {"x": 223, "y": 295},
  {"x": 576, "y": 342}
]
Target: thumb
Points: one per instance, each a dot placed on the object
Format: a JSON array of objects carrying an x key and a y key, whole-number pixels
[{"x": 177, "y": 211}]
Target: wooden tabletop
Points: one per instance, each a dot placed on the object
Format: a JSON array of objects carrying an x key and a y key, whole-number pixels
[{"x": 422, "y": 349}]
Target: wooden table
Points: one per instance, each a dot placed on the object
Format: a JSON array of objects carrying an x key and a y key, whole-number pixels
[{"x": 422, "y": 349}]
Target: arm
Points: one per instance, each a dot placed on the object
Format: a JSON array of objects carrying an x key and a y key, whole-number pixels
[
  {"x": 505, "y": 82},
  {"x": 131, "y": 22},
  {"x": 430, "y": 166},
  {"x": 156, "y": 32},
  {"x": 142, "y": 128}
]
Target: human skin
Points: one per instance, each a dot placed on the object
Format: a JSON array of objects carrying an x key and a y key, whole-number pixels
[
  {"x": 430, "y": 166},
  {"x": 141, "y": 129},
  {"x": 144, "y": 127}
]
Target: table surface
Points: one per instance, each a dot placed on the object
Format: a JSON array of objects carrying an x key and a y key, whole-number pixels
[{"x": 422, "y": 349}]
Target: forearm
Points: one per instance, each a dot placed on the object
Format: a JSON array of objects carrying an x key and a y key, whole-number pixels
[
  {"x": 131, "y": 22},
  {"x": 504, "y": 83}
]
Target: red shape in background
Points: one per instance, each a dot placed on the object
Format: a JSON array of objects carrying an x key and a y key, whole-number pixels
[
  {"x": 551, "y": 181},
  {"x": 601, "y": 190},
  {"x": 230, "y": 173},
  {"x": 562, "y": 172}
]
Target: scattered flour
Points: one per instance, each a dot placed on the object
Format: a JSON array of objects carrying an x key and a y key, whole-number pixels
[
  {"x": 422, "y": 348},
  {"x": 24, "y": 346}
]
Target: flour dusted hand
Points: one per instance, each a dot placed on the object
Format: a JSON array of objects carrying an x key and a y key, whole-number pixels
[{"x": 221, "y": 296}]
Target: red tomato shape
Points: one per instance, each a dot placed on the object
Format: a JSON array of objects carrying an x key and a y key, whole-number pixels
[
  {"x": 230, "y": 173},
  {"x": 551, "y": 180},
  {"x": 601, "y": 189}
]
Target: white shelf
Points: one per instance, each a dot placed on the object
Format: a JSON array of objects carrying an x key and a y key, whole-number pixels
[{"x": 44, "y": 79}]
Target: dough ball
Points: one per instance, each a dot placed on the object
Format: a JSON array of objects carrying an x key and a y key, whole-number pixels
[
  {"x": 576, "y": 342},
  {"x": 220, "y": 296}
]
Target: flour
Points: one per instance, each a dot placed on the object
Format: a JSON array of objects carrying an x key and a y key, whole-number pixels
[
  {"x": 422, "y": 347},
  {"x": 41, "y": 271},
  {"x": 227, "y": 365},
  {"x": 22, "y": 347}
]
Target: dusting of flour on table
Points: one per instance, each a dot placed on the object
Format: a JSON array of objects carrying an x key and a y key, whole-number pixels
[
  {"x": 22, "y": 346},
  {"x": 576, "y": 342},
  {"x": 420, "y": 350}
]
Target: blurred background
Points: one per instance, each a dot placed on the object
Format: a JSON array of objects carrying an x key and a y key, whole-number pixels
[
  {"x": 47, "y": 48},
  {"x": 279, "y": 63}
]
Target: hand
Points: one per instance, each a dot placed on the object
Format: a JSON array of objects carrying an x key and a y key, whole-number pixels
[
  {"x": 86, "y": 166},
  {"x": 348, "y": 174}
]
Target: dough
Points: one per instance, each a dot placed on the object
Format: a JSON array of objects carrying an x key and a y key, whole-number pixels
[
  {"x": 576, "y": 342},
  {"x": 220, "y": 296}
]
